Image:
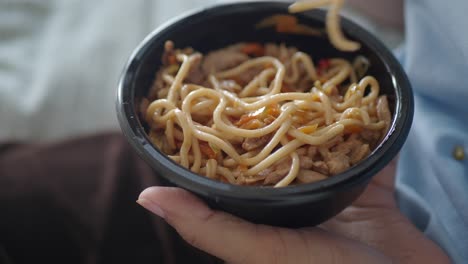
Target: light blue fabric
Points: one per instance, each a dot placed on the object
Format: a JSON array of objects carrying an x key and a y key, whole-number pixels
[{"x": 432, "y": 187}]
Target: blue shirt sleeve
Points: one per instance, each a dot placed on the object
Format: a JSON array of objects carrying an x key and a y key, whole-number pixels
[{"x": 432, "y": 186}]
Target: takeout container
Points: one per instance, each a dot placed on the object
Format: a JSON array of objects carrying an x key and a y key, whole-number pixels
[{"x": 220, "y": 25}]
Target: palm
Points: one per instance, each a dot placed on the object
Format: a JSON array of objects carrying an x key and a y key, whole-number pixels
[
  {"x": 374, "y": 208},
  {"x": 364, "y": 222},
  {"x": 375, "y": 221},
  {"x": 372, "y": 230}
]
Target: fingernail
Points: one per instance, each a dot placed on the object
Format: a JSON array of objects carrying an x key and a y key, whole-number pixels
[{"x": 151, "y": 206}]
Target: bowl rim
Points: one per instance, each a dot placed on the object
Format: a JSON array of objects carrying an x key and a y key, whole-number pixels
[{"x": 382, "y": 154}]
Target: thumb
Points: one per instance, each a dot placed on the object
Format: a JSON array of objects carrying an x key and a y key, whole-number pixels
[{"x": 220, "y": 234}]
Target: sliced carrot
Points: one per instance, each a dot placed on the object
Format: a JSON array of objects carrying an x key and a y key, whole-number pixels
[
  {"x": 253, "y": 49},
  {"x": 214, "y": 148},
  {"x": 223, "y": 179},
  {"x": 324, "y": 63},
  {"x": 273, "y": 110},
  {"x": 172, "y": 59},
  {"x": 322, "y": 66},
  {"x": 269, "y": 119},
  {"x": 351, "y": 129},
  {"x": 308, "y": 129},
  {"x": 207, "y": 151},
  {"x": 245, "y": 119},
  {"x": 257, "y": 119},
  {"x": 242, "y": 167},
  {"x": 316, "y": 97},
  {"x": 285, "y": 23},
  {"x": 252, "y": 124}
]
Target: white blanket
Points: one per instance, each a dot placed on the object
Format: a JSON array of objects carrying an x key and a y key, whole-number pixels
[{"x": 60, "y": 61}]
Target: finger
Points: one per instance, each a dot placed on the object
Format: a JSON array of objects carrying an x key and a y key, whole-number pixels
[
  {"x": 380, "y": 191},
  {"x": 387, "y": 231},
  {"x": 386, "y": 177},
  {"x": 220, "y": 234},
  {"x": 374, "y": 204},
  {"x": 237, "y": 241}
]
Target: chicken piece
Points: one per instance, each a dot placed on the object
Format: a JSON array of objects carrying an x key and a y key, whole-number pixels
[
  {"x": 372, "y": 109},
  {"x": 245, "y": 77},
  {"x": 230, "y": 85},
  {"x": 250, "y": 180},
  {"x": 283, "y": 53},
  {"x": 311, "y": 151},
  {"x": 383, "y": 112},
  {"x": 354, "y": 148},
  {"x": 196, "y": 74},
  {"x": 308, "y": 176},
  {"x": 301, "y": 151},
  {"x": 169, "y": 53},
  {"x": 157, "y": 86},
  {"x": 242, "y": 179},
  {"x": 223, "y": 59},
  {"x": 337, "y": 162},
  {"x": 348, "y": 146},
  {"x": 371, "y": 136},
  {"x": 276, "y": 173},
  {"x": 305, "y": 162},
  {"x": 250, "y": 144},
  {"x": 334, "y": 141},
  {"x": 321, "y": 167},
  {"x": 359, "y": 154}
]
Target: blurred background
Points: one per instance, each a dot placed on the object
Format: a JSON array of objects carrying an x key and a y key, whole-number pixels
[{"x": 60, "y": 61}]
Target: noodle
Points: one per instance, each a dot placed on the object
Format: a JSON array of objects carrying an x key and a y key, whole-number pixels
[
  {"x": 332, "y": 21},
  {"x": 272, "y": 117}
]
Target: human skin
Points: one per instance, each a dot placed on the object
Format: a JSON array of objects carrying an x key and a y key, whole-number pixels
[{"x": 372, "y": 230}]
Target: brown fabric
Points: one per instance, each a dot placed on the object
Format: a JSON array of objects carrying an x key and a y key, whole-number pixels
[{"x": 74, "y": 202}]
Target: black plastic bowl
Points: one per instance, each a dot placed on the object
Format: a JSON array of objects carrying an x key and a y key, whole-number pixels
[{"x": 217, "y": 26}]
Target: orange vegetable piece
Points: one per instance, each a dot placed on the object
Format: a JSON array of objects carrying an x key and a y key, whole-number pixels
[
  {"x": 285, "y": 23},
  {"x": 351, "y": 129},
  {"x": 308, "y": 129},
  {"x": 273, "y": 110},
  {"x": 207, "y": 150},
  {"x": 172, "y": 59},
  {"x": 316, "y": 98},
  {"x": 223, "y": 179},
  {"x": 323, "y": 65},
  {"x": 254, "y": 49},
  {"x": 252, "y": 124},
  {"x": 242, "y": 167},
  {"x": 245, "y": 119}
]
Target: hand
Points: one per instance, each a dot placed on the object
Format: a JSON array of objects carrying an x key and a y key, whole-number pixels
[{"x": 372, "y": 230}]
